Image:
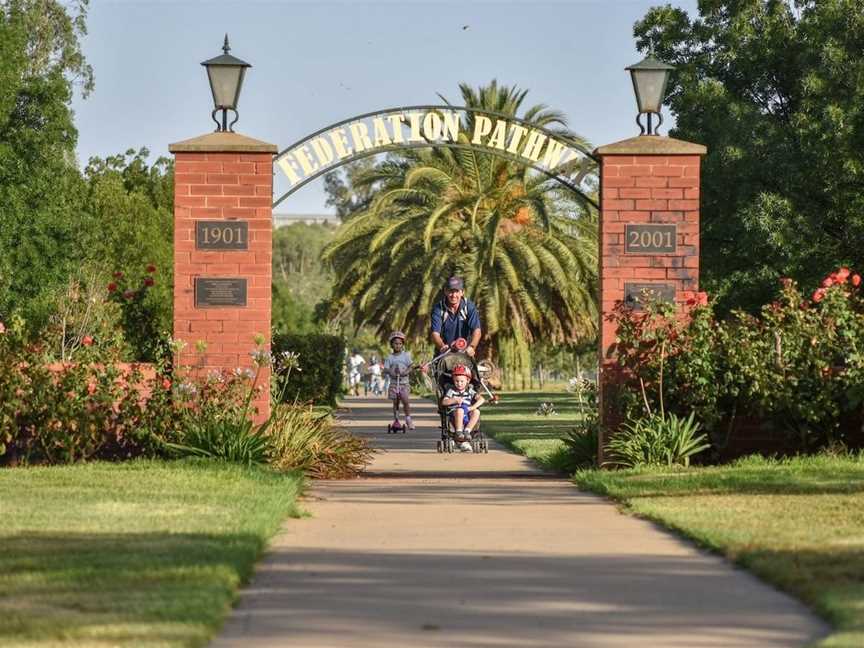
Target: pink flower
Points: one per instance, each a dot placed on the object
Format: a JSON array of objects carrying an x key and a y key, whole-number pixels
[
  {"x": 856, "y": 280},
  {"x": 842, "y": 274},
  {"x": 118, "y": 275},
  {"x": 702, "y": 298},
  {"x": 786, "y": 282},
  {"x": 129, "y": 294},
  {"x": 87, "y": 340},
  {"x": 827, "y": 282},
  {"x": 166, "y": 384},
  {"x": 151, "y": 268},
  {"x": 2, "y": 328},
  {"x": 818, "y": 294},
  {"x": 91, "y": 388}
]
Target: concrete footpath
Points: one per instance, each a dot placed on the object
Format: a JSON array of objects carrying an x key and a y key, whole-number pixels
[{"x": 485, "y": 551}]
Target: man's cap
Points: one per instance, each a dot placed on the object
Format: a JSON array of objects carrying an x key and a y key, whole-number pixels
[{"x": 455, "y": 283}]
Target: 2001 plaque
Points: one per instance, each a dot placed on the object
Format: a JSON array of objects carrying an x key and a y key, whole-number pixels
[
  {"x": 650, "y": 239},
  {"x": 222, "y": 235},
  {"x": 219, "y": 292},
  {"x": 637, "y": 294}
]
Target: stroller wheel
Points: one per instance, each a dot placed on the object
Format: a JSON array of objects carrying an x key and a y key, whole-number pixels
[{"x": 440, "y": 446}]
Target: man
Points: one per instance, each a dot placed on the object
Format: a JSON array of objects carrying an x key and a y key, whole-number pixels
[{"x": 455, "y": 317}]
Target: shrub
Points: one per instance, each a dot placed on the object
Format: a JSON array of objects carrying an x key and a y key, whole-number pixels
[
  {"x": 582, "y": 442},
  {"x": 321, "y": 358},
  {"x": 656, "y": 440},
  {"x": 797, "y": 364},
  {"x": 230, "y": 440},
  {"x": 305, "y": 439}
]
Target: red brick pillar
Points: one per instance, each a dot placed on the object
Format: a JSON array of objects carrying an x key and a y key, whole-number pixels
[
  {"x": 649, "y": 233},
  {"x": 223, "y": 229}
]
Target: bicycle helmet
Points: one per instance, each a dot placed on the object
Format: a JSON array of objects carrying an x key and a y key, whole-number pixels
[
  {"x": 462, "y": 370},
  {"x": 396, "y": 335}
]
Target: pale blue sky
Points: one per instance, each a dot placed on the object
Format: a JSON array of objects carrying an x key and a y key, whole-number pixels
[{"x": 318, "y": 63}]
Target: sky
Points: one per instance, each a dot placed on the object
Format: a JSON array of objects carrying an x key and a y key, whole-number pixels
[{"x": 314, "y": 64}]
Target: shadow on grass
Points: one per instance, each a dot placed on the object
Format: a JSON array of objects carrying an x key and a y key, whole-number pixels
[{"x": 158, "y": 587}]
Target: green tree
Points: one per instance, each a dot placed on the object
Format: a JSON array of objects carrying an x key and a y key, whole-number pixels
[
  {"x": 526, "y": 249},
  {"x": 775, "y": 89},
  {"x": 300, "y": 278},
  {"x": 40, "y": 187}
]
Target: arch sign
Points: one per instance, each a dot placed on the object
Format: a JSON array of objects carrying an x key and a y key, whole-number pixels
[{"x": 550, "y": 153}]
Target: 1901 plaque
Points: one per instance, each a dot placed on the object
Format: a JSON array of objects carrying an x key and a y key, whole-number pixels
[
  {"x": 650, "y": 239},
  {"x": 638, "y": 294},
  {"x": 222, "y": 235},
  {"x": 219, "y": 292}
]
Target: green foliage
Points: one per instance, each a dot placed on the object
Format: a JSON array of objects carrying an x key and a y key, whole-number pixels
[
  {"x": 582, "y": 442},
  {"x": 320, "y": 358},
  {"x": 656, "y": 440},
  {"x": 302, "y": 438},
  {"x": 526, "y": 249},
  {"x": 235, "y": 440},
  {"x": 300, "y": 277},
  {"x": 776, "y": 92},
  {"x": 799, "y": 364}
]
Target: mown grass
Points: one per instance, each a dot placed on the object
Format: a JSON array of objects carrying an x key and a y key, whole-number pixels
[
  {"x": 797, "y": 523},
  {"x": 513, "y": 422},
  {"x": 131, "y": 554}
]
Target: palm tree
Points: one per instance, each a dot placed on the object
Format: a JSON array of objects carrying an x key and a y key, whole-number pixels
[{"x": 510, "y": 232}]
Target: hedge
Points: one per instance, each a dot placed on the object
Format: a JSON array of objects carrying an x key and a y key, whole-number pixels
[{"x": 321, "y": 358}]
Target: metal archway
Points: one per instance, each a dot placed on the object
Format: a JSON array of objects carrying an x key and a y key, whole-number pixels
[{"x": 564, "y": 160}]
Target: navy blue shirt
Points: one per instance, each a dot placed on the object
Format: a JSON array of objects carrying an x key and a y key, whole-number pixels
[{"x": 452, "y": 327}]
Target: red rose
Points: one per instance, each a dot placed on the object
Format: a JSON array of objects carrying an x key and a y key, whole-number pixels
[
  {"x": 856, "y": 280},
  {"x": 148, "y": 281},
  {"x": 818, "y": 294},
  {"x": 87, "y": 340},
  {"x": 112, "y": 287},
  {"x": 691, "y": 302},
  {"x": 151, "y": 268},
  {"x": 118, "y": 275},
  {"x": 827, "y": 282}
]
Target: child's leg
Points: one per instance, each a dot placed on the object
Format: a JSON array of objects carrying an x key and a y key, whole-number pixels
[
  {"x": 473, "y": 417},
  {"x": 457, "y": 420}
]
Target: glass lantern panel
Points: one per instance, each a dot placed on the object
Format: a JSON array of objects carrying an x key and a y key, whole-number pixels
[
  {"x": 650, "y": 86},
  {"x": 225, "y": 82}
]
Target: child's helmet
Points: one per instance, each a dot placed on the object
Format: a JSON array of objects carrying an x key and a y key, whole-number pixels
[
  {"x": 396, "y": 335},
  {"x": 461, "y": 370}
]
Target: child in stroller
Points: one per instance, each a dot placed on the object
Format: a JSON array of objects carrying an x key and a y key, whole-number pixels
[
  {"x": 445, "y": 371},
  {"x": 463, "y": 406}
]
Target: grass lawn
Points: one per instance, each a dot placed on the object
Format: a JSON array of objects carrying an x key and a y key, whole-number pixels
[
  {"x": 798, "y": 523},
  {"x": 515, "y": 423},
  {"x": 131, "y": 554}
]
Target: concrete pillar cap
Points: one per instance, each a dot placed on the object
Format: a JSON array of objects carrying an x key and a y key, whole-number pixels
[
  {"x": 651, "y": 145},
  {"x": 222, "y": 143}
]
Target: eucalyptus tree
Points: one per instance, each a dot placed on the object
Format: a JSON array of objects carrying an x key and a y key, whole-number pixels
[{"x": 526, "y": 248}]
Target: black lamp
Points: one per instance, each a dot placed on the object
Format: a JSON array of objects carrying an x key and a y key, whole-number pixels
[
  {"x": 650, "y": 77},
  {"x": 226, "y": 74}
]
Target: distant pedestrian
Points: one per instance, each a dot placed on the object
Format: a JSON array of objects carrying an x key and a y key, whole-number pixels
[
  {"x": 398, "y": 366},
  {"x": 355, "y": 369}
]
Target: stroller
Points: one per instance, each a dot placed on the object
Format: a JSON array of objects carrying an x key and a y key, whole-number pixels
[{"x": 440, "y": 371}]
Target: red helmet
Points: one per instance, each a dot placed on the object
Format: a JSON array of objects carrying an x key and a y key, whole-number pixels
[{"x": 461, "y": 370}]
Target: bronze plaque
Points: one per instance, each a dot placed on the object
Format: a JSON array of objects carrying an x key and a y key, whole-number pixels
[
  {"x": 222, "y": 235},
  {"x": 650, "y": 239},
  {"x": 637, "y": 294},
  {"x": 219, "y": 292}
]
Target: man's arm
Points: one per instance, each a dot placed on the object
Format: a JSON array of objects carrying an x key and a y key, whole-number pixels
[
  {"x": 478, "y": 402},
  {"x": 435, "y": 328},
  {"x": 476, "y": 331}
]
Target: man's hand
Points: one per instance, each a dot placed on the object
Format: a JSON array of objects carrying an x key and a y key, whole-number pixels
[{"x": 470, "y": 350}]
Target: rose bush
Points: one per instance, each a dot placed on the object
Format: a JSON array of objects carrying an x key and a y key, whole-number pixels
[{"x": 798, "y": 363}]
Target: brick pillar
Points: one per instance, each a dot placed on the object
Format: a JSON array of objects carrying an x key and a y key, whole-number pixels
[
  {"x": 649, "y": 233},
  {"x": 223, "y": 229}
]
